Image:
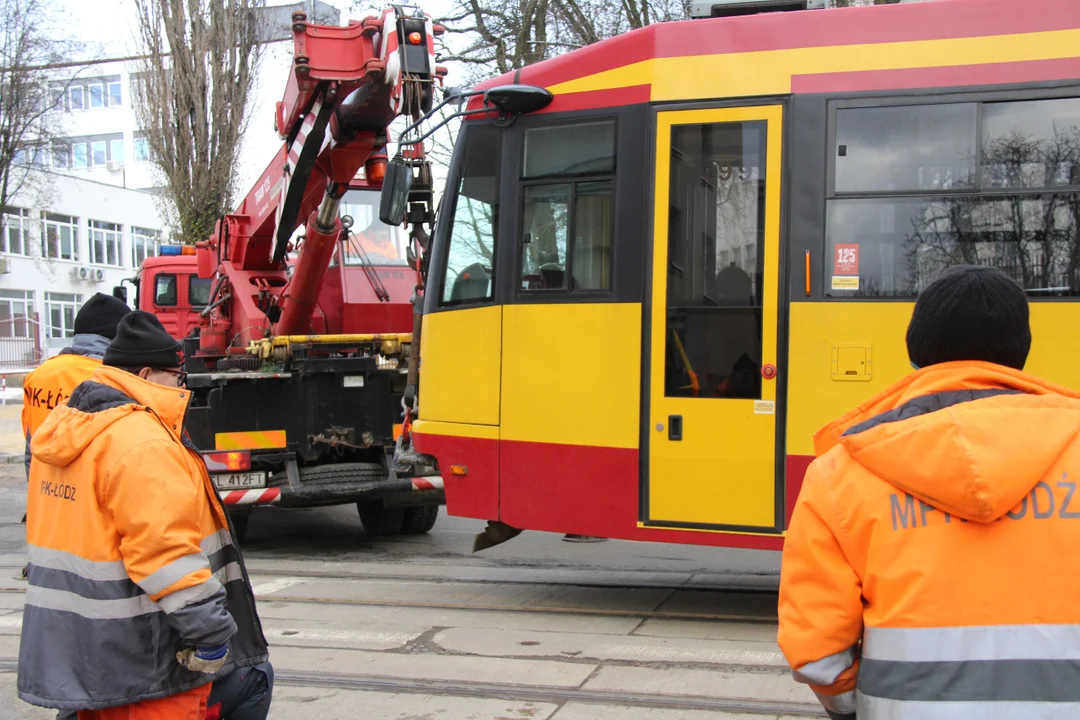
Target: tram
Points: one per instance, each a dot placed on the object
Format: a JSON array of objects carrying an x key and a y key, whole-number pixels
[{"x": 646, "y": 297}]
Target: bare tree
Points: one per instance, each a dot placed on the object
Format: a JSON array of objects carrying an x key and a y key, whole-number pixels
[
  {"x": 192, "y": 100},
  {"x": 28, "y": 109}
]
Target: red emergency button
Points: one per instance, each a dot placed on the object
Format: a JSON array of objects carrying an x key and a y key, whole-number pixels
[
  {"x": 768, "y": 371},
  {"x": 415, "y": 38}
]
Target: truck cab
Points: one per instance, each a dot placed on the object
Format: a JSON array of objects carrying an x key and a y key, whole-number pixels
[{"x": 169, "y": 286}]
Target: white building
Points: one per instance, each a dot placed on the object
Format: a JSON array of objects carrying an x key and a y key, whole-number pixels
[{"x": 90, "y": 215}]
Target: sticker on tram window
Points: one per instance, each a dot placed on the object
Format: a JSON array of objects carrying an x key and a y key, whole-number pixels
[
  {"x": 845, "y": 283},
  {"x": 846, "y": 260},
  {"x": 764, "y": 407}
]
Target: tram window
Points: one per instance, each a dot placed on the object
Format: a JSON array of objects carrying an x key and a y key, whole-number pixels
[
  {"x": 909, "y": 148},
  {"x": 470, "y": 266},
  {"x": 566, "y": 243},
  {"x": 1033, "y": 144},
  {"x": 577, "y": 149},
  {"x": 716, "y": 238},
  {"x": 898, "y": 246},
  {"x": 165, "y": 290}
]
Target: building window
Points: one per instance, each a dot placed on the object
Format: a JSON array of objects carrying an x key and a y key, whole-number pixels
[
  {"x": 16, "y": 240},
  {"x": 116, "y": 151},
  {"x": 105, "y": 243},
  {"x": 115, "y": 97},
  {"x": 61, "y": 155},
  {"x": 59, "y": 237},
  {"x": 920, "y": 189},
  {"x": 142, "y": 149},
  {"x": 17, "y": 314},
  {"x": 165, "y": 290},
  {"x": 79, "y": 156},
  {"x": 78, "y": 97},
  {"x": 99, "y": 152},
  {"x": 97, "y": 95},
  {"x": 144, "y": 244},
  {"x": 60, "y": 311}
]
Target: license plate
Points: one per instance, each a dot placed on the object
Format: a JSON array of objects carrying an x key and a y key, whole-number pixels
[{"x": 240, "y": 481}]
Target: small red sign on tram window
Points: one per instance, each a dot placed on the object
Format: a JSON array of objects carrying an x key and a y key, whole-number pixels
[{"x": 846, "y": 260}]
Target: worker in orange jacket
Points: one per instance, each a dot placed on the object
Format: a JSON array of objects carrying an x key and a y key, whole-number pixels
[
  {"x": 138, "y": 599},
  {"x": 52, "y": 382},
  {"x": 930, "y": 568}
]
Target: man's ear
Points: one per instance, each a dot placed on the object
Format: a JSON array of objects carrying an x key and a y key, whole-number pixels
[{"x": 145, "y": 373}]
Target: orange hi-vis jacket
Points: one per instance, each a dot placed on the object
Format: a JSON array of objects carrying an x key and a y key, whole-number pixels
[
  {"x": 131, "y": 557},
  {"x": 931, "y": 569}
]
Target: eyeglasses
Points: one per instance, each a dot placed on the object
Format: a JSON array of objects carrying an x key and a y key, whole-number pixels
[{"x": 181, "y": 376}]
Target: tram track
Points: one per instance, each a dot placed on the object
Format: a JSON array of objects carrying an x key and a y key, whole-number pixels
[{"x": 528, "y": 693}]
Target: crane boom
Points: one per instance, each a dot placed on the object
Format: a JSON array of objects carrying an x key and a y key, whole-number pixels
[{"x": 346, "y": 85}]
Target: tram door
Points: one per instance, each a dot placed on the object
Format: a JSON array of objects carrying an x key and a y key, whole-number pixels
[{"x": 715, "y": 290}]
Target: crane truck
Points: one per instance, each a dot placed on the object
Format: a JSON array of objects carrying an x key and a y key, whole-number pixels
[{"x": 301, "y": 356}]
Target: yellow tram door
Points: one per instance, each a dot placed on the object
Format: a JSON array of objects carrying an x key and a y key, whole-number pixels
[{"x": 715, "y": 293}]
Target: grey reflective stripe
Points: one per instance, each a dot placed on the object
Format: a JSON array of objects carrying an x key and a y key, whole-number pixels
[
  {"x": 50, "y": 599},
  {"x": 873, "y": 708},
  {"x": 68, "y": 562},
  {"x": 174, "y": 571},
  {"x": 842, "y": 704},
  {"x": 976, "y": 642},
  {"x": 212, "y": 543},
  {"x": 974, "y": 680},
  {"x": 189, "y": 596},
  {"x": 229, "y": 573},
  {"x": 827, "y": 669},
  {"x": 92, "y": 589}
]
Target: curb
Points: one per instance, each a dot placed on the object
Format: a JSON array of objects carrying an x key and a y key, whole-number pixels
[{"x": 11, "y": 458}]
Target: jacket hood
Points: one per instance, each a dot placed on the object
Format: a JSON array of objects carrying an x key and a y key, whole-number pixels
[
  {"x": 969, "y": 438},
  {"x": 95, "y": 405},
  {"x": 93, "y": 346}
]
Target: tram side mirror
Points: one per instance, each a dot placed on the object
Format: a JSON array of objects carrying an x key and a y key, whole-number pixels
[
  {"x": 519, "y": 99},
  {"x": 395, "y": 192}
]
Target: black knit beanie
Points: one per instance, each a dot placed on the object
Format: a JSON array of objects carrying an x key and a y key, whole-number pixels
[
  {"x": 99, "y": 316},
  {"x": 140, "y": 342},
  {"x": 970, "y": 313}
]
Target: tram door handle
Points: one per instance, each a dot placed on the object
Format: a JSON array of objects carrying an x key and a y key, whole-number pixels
[{"x": 674, "y": 424}]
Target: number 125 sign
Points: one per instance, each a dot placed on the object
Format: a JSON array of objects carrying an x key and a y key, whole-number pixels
[{"x": 846, "y": 260}]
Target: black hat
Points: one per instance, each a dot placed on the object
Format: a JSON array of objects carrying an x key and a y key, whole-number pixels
[
  {"x": 970, "y": 313},
  {"x": 99, "y": 315},
  {"x": 140, "y": 342}
]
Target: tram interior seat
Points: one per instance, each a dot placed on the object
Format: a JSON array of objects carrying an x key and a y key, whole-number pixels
[{"x": 472, "y": 283}]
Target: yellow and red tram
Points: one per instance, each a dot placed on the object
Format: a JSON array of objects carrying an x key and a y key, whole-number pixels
[{"x": 645, "y": 298}]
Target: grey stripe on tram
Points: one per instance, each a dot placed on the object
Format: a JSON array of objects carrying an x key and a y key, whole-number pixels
[
  {"x": 873, "y": 708},
  {"x": 973, "y": 680},
  {"x": 69, "y": 562},
  {"x": 50, "y": 599},
  {"x": 975, "y": 642}
]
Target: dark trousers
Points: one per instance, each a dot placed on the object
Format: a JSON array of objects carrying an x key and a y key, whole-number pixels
[{"x": 241, "y": 695}]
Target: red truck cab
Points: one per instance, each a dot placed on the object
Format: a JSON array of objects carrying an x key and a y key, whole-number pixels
[{"x": 169, "y": 286}]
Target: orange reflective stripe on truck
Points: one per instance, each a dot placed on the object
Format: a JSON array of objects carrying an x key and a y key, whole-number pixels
[{"x": 250, "y": 440}]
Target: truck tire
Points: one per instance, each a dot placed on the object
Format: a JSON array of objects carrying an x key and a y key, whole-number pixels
[
  {"x": 240, "y": 525},
  {"x": 419, "y": 520},
  {"x": 378, "y": 520},
  {"x": 341, "y": 472}
]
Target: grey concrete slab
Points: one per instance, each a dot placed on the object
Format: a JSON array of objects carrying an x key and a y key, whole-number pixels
[
  {"x": 463, "y": 595},
  {"x": 431, "y": 666},
  {"x": 750, "y": 604},
  {"x": 12, "y": 708},
  {"x": 291, "y": 703},
  {"x": 510, "y": 643},
  {"x": 440, "y": 617},
  {"x": 772, "y": 686},
  {"x": 707, "y": 630},
  {"x": 586, "y": 711}
]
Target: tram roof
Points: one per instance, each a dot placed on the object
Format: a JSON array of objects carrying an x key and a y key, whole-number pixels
[{"x": 942, "y": 43}]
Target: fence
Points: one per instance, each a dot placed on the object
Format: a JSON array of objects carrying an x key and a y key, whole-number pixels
[{"x": 20, "y": 343}]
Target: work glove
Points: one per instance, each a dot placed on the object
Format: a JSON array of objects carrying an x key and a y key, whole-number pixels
[{"x": 204, "y": 660}]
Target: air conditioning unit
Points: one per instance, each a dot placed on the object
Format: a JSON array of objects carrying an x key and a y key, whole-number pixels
[
  {"x": 99, "y": 275},
  {"x": 78, "y": 273},
  {"x": 5, "y": 265},
  {"x": 113, "y": 166}
]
